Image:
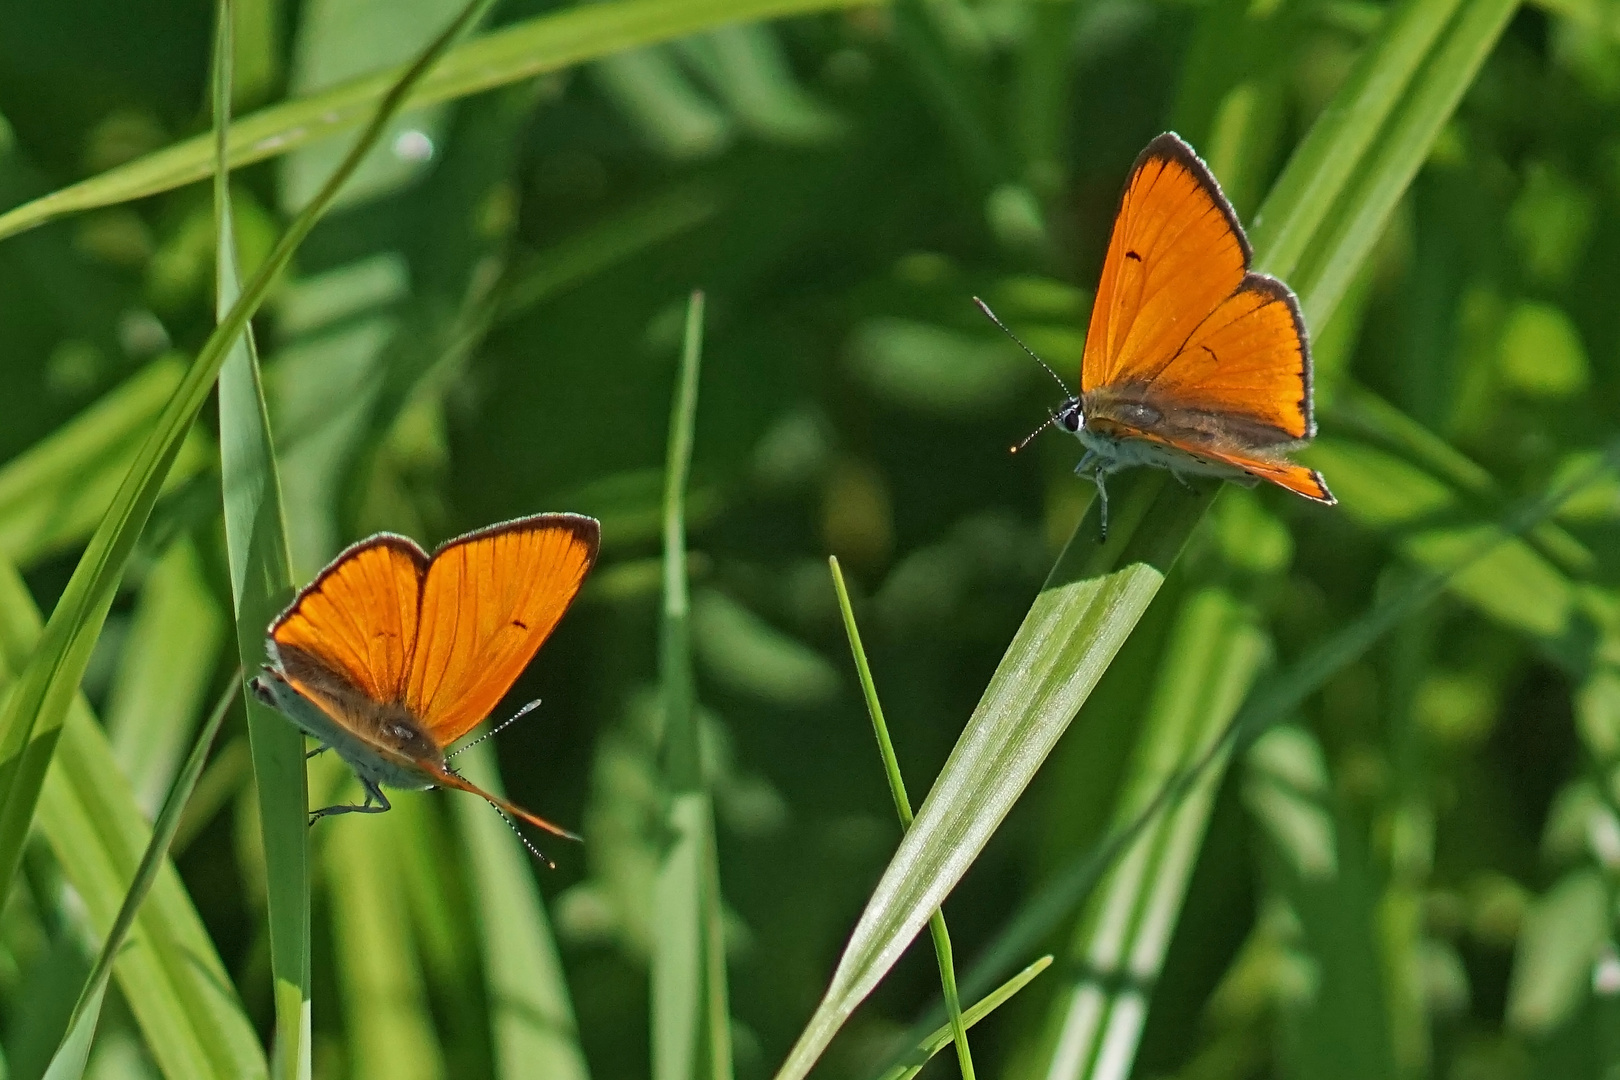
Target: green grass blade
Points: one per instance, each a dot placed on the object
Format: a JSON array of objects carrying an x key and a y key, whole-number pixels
[
  {"x": 1118, "y": 950},
  {"x": 168, "y": 970},
  {"x": 1321, "y": 168},
  {"x": 534, "y": 1031},
  {"x": 942, "y": 1037},
  {"x": 1357, "y": 219},
  {"x": 31, "y": 721},
  {"x": 261, "y": 584},
  {"x": 534, "y": 47},
  {"x": 1089, "y": 605},
  {"x": 691, "y": 1018},
  {"x": 902, "y": 805},
  {"x": 52, "y": 494},
  {"x": 74, "y": 1053}
]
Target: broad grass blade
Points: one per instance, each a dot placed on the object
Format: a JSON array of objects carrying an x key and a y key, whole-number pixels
[{"x": 261, "y": 584}]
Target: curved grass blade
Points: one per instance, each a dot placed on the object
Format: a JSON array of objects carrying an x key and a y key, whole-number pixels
[
  {"x": 72, "y": 1055},
  {"x": 30, "y": 723},
  {"x": 902, "y": 805},
  {"x": 533, "y": 47},
  {"x": 1078, "y": 622},
  {"x": 261, "y": 584},
  {"x": 168, "y": 970}
]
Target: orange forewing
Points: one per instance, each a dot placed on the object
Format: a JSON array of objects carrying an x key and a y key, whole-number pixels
[
  {"x": 490, "y": 599},
  {"x": 359, "y": 616},
  {"x": 1180, "y": 321}
]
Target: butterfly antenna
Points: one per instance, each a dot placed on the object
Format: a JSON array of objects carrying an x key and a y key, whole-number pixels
[
  {"x": 984, "y": 307},
  {"x": 524, "y": 840},
  {"x": 1050, "y": 420},
  {"x": 498, "y": 728}
]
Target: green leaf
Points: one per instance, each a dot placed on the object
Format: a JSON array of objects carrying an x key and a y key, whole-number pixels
[
  {"x": 533, "y": 47},
  {"x": 1082, "y": 616},
  {"x": 52, "y": 494},
  {"x": 164, "y": 673},
  {"x": 261, "y": 584}
]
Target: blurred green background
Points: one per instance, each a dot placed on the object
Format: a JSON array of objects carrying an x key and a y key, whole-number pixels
[{"x": 1413, "y": 874}]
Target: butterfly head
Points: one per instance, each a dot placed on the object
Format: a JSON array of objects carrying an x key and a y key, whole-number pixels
[{"x": 1070, "y": 417}]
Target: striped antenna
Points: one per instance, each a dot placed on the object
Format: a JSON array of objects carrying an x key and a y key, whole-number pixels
[
  {"x": 984, "y": 307},
  {"x": 497, "y": 729}
]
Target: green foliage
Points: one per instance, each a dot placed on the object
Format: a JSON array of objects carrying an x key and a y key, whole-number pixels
[{"x": 1292, "y": 791}]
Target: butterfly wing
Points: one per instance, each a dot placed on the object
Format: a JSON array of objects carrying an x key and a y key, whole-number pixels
[
  {"x": 1179, "y": 322},
  {"x": 356, "y": 621},
  {"x": 489, "y": 600}
]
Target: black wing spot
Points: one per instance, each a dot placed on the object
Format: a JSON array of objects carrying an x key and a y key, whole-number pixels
[
  {"x": 1211, "y": 352},
  {"x": 520, "y": 624},
  {"x": 1133, "y": 255}
]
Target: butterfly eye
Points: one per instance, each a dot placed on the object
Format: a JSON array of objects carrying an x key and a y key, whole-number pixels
[{"x": 1069, "y": 416}]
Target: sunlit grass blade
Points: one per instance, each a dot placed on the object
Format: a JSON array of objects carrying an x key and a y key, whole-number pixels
[
  {"x": 1357, "y": 219},
  {"x": 902, "y": 805},
  {"x": 943, "y": 1037},
  {"x": 524, "y": 50},
  {"x": 168, "y": 970},
  {"x": 532, "y": 1017},
  {"x": 261, "y": 584},
  {"x": 691, "y": 1019},
  {"x": 1118, "y": 950},
  {"x": 53, "y": 493},
  {"x": 1088, "y": 606},
  {"x": 71, "y": 1057},
  {"x": 31, "y": 720},
  {"x": 1322, "y": 166}
]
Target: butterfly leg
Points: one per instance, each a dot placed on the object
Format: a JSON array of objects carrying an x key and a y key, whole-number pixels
[
  {"x": 1092, "y": 465},
  {"x": 317, "y": 750},
  {"x": 376, "y": 803}
]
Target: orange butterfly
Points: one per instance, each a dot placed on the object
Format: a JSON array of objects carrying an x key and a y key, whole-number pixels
[
  {"x": 389, "y": 656},
  {"x": 1192, "y": 363}
]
